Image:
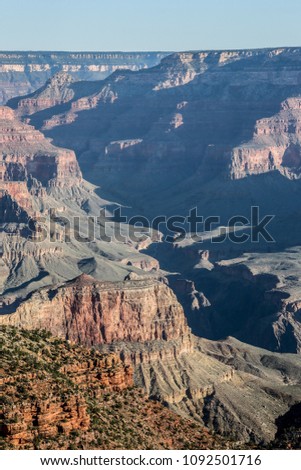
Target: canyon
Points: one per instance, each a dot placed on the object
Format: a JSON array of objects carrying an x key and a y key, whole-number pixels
[
  {"x": 43, "y": 199},
  {"x": 209, "y": 329},
  {"x": 217, "y": 131},
  {"x": 90, "y": 400},
  {"x": 22, "y": 72},
  {"x": 183, "y": 121}
]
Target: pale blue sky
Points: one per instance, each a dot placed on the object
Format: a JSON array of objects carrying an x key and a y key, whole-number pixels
[{"x": 148, "y": 24}]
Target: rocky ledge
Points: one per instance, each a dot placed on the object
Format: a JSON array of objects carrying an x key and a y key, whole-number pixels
[
  {"x": 23, "y": 72},
  {"x": 276, "y": 145},
  {"x": 95, "y": 313},
  {"x": 58, "y": 395},
  {"x": 25, "y": 153}
]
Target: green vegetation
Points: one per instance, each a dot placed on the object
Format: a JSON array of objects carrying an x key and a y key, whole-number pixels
[{"x": 38, "y": 369}]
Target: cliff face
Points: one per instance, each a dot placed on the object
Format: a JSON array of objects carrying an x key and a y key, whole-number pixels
[
  {"x": 57, "y": 90},
  {"x": 28, "y": 412},
  {"x": 95, "y": 313},
  {"x": 23, "y": 72},
  {"x": 255, "y": 298},
  {"x": 275, "y": 145},
  {"x": 25, "y": 151},
  {"x": 181, "y": 124},
  {"x": 173, "y": 135},
  {"x": 42, "y": 195},
  {"x": 142, "y": 322},
  {"x": 58, "y": 395},
  {"x": 275, "y": 322}
]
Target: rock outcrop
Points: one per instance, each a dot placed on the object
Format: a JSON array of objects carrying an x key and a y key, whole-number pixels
[
  {"x": 180, "y": 127},
  {"x": 275, "y": 145},
  {"x": 95, "y": 313},
  {"x": 24, "y": 153},
  {"x": 57, "y": 90},
  {"x": 193, "y": 301},
  {"x": 52, "y": 228},
  {"x": 28, "y": 411},
  {"x": 23, "y": 72},
  {"x": 255, "y": 298},
  {"x": 61, "y": 396},
  {"x": 169, "y": 134},
  {"x": 142, "y": 322}
]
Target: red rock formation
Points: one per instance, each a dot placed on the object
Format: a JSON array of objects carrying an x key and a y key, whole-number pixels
[
  {"x": 56, "y": 91},
  {"x": 53, "y": 402},
  {"x": 95, "y": 313},
  {"x": 24, "y": 151},
  {"x": 49, "y": 417}
]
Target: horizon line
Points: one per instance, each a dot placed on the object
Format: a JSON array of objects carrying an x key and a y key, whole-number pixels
[{"x": 151, "y": 51}]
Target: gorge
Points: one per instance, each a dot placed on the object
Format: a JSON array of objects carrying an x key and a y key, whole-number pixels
[{"x": 211, "y": 330}]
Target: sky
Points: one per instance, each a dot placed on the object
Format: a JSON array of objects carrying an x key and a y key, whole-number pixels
[{"x": 140, "y": 25}]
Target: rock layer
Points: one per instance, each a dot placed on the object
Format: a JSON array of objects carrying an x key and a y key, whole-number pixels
[
  {"x": 25, "y": 153},
  {"x": 178, "y": 127},
  {"x": 142, "y": 322},
  {"x": 23, "y": 72},
  {"x": 36, "y": 413},
  {"x": 95, "y": 313},
  {"x": 275, "y": 145}
]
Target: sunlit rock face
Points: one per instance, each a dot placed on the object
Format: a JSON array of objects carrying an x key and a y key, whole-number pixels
[
  {"x": 25, "y": 151},
  {"x": 23, "y": 72},
  {"x": 275, "y": 145},
  {"x": 194, "y": 118}
]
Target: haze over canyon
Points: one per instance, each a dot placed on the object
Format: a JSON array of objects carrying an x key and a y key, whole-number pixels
[{"x": 207, "y": 328}]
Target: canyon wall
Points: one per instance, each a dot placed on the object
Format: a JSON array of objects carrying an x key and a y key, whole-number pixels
[
  {"x": 142, "y": 322},
  {"x": 175, "y": 135},
  {"x": 25, "y": 151},
  {"x": 23, "y": 72},
  {"x": 95, "y": 313},
  {"x": 27, "y": 411},
  {"x": 42, "y": 198},
  {"x": 180, "y": 127},
  {"x": 275, "y": 145}
]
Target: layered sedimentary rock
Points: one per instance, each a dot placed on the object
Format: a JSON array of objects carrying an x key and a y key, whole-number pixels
[
  {"x": 168, "y": 134},
  {"x": 52, "y": 228},
  {"x": 275, "y": 145},
  {"x": 28, "y": 412},
  {"x": 179, "y": 125},
  {"x": 255, "y": 298},
  {"x": 50, "y": 417},
  {"x": 89, "y": 403},
  {"x": 95, "y": 313},
  {"x": 23, "y": 72},
  {"x": 25, "y": 152},
  {"x": 273, "y": 282},
  {"x": 57, "y": 90},
  {"x": 144, "y": 324}
]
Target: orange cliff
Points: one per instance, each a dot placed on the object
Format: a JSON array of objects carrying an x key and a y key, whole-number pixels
[
  {"x": 46, "y": 394},
  {"x": 25, "y": 151},
  {"x": 97, "y": 313}
]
